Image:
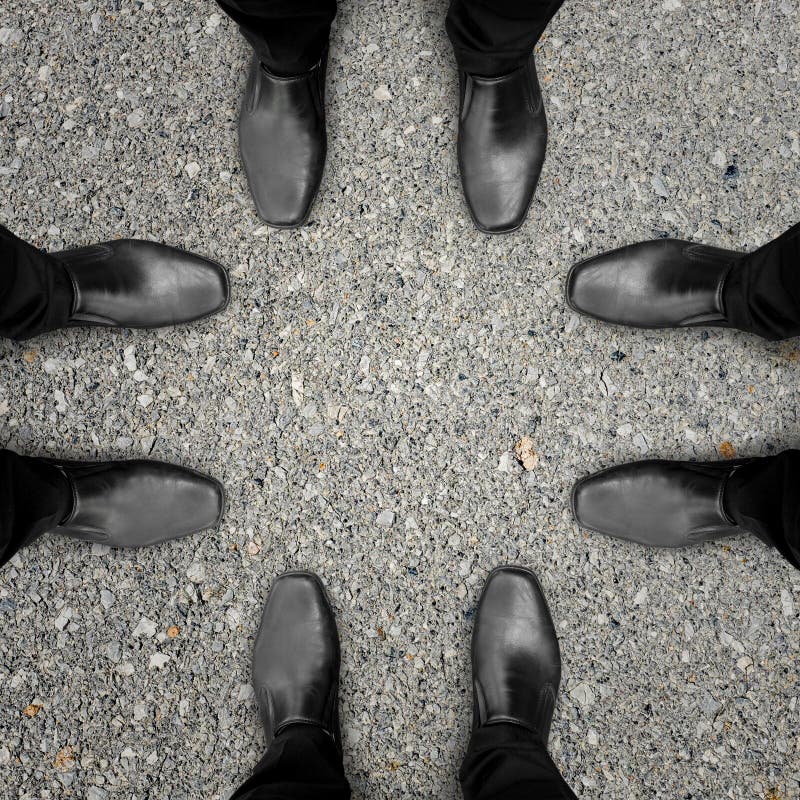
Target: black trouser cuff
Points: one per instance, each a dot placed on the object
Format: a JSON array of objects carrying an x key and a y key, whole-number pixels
[
  {"x": 761, "y": 497},
  {"x": 36, "y": 293},
  {"x": 762, "y": 292}
]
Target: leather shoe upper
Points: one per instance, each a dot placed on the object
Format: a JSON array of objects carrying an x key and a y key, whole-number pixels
[
  {"x": 501, "y": 146},
  {"x": 665, "y": 283},
  {"x": 516, "y": 663},
  {"x": 657, "y": 503},
  {"x": 138, "y": 284},
  {"x": 138, "y": 503},
  {"x": 283, "y": 142},
  {"x": 296, "y": 657}
]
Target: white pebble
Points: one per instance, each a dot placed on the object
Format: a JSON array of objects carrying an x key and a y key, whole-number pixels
[
  {"x": 158, "y": 660},
  {"x": 583, "y": 695},
  {"x": 385, "y": 519},
  {"x": 146, "y": 627},
  {"x": 787, "y": 604},
  {"x": 196, "y": 572},
  {"x": 63, "y": 618}
]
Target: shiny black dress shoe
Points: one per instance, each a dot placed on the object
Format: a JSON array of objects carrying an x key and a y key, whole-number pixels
[
  {"x": 296, "y": 658},
  {"x": 666, "y": 283},
  {"x": 502, "y": 140},
  {"x": 283, "y": 142},
  {"x": 658, "y": 503},
  {"x": 137, "y": 503},
  {"x": 138, "y": 284},
  {"x": 516, "y": 662}
]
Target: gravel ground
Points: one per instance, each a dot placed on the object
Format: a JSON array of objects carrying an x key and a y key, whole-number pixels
[{"x": 362, "y": 396}]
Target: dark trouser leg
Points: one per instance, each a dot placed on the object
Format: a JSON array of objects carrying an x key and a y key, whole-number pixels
[
  {"x": 302, "y": 763},
  {"x": 289, "y": 36},
  {"x": 35, "y": 291},
  {"x": 34, "y": 497},
  {"x": 494, "y": 37},
  {"x": 508, "y": 762},
  {"x": 762, "y": 497},
  {"x": 762, "y": 293}
]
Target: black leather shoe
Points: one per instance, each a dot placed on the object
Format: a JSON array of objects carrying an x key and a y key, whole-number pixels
[
  {"x": 137, "y": 284},
  {"x": 283, "y": 142},
  {"x": 138, "y": 503},
  {"x": 296, "y": 658},
  {"x": 658, "y": 503},
  {"x": 666, "y": 283},
  {"x": 516, "y": 663},
  {"x": 502, "y": 140}
]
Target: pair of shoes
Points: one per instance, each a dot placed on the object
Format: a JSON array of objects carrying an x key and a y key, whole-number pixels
[
  {"x": 516, "y": 664},
  {"x": 137, "y": 284},
  {"x": 137, "y": 503},
  {"x": 501, "y": 144},
  {"x": 658, "y": 284},
  {"x": 665, "y": 283}
]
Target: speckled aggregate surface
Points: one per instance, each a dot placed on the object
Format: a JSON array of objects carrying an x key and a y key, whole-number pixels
[{"x": 363, "y": 393}]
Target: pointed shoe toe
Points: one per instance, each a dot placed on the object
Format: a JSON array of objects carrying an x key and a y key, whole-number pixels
[
  {"x": 296, "y": 657},
  {"x": 283, "y": 142},
  {"x": 516, "y": 662},
  {"x": 139, "y": 284},
  {"x": 501, "y": 146},
  {"x": 138, "y": 503},
  {"x": 657, "y": 503},
  {"x": 665, "y": 283}
]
